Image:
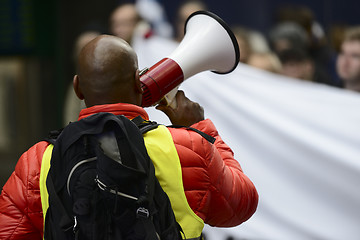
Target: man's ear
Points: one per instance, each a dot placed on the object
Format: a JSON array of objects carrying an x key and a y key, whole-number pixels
[
  {"x": 138, "y": 82},
  {"x": 77, "y": 89}
]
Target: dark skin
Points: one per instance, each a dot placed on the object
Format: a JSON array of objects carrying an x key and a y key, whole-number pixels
[
  {"x": 186, "y": 113},
  {"x": 108, "y": 73}
]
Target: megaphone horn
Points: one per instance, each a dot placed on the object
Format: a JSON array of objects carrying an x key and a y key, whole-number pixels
[{"x": 208, "y": 44}]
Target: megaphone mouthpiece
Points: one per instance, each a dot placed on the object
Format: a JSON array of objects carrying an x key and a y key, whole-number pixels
[{"x": 159, "y": 80}]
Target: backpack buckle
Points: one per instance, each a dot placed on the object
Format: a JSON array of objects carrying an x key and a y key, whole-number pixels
[{"x": 142, "y": 212}]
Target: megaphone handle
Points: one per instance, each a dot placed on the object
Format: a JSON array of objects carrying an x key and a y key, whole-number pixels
[{"x": 171, "y": 99}]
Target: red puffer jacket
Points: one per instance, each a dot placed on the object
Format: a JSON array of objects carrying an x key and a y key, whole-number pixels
[
  {"x": 215, "y": 186},
  {"x": 20, "y": 204}
]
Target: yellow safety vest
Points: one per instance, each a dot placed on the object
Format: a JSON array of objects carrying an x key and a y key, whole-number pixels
[{"x": 162, "y": 151}]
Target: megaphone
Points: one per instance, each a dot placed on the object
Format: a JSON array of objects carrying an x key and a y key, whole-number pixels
[{"x": 208, "y": 44}]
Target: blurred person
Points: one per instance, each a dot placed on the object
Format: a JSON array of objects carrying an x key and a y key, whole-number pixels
[
  {"x": 305, "y": 17},
  {"x": 124, "y": 21},
  {"x": 142, "y": 19},
  {"x": 348, "y": 61},
  {"x": 336, "y": 34},
  {"x": 299, "y": 14},
  {"x": 288, "y": 35},
  {"x": 82, "y": 40},
  {"x": 153, "y": 12},
  {"x": 184, "y": 11},
  {"x": 317, "y": 43},
  {"x": 211, "y": 188},
  {"x": 73, "y": 105},
  {"x": 258, "y": 42},
  {"x": 242, "y": 37},
  {"x": 267, "y": 61},
  {"x": 296, "y": 63},
  {"x": 254, "y": 50}
]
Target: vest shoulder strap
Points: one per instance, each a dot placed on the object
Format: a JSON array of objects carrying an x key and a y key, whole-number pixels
[{"x": 209, "y": 138}]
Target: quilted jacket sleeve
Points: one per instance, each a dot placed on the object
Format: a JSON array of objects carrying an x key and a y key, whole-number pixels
[
  {"x": 215, "y": 186},
  {"x": 20, "y": 203}
]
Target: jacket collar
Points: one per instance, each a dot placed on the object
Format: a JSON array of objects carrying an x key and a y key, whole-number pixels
[{"x": 128, "y": 110}]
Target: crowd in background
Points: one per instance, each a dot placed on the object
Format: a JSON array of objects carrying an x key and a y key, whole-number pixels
[{"x": 296, "y": 46}]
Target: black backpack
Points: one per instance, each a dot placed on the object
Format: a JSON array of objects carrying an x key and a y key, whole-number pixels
[{"x": 102, "y": 184}]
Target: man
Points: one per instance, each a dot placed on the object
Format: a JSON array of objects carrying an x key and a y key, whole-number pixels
[
  {"x": 208, "y": 186},
  {"x": 348, "y": 61}
]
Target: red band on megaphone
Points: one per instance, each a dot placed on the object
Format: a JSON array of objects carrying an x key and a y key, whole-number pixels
[{"x": 161, "y": 78}]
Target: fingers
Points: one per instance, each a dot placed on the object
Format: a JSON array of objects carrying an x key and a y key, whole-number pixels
[
  {"x": 186, "y": 112},
  {"x": 169, "y": 111},
  {"x": 180, "y": 96}
]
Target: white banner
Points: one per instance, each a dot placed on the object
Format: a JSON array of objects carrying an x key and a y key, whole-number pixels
[{"x": 299, "y": 142}]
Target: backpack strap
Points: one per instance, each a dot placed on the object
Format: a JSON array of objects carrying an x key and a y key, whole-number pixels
[
  {"x": 142, "y": 213},
  {"x": 144, "y": 125},
  {"x": 66, "y": 222},
  {"x": 53, "y": 135},
  {"x": 138, "y": 120}
]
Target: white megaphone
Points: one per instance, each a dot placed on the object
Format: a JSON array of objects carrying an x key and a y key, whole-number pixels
[{"x": 208, "y": 44}]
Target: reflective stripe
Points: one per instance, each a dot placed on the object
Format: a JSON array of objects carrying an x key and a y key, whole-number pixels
[
  {"x": 162, "y": 151},
  {"x": 45, "y": 166}
]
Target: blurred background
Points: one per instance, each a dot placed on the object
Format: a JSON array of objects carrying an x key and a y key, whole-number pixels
[{"x": 37, "y": 52}]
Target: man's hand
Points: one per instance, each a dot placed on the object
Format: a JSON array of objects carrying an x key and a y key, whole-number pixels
[{"x": 186, "y": 113}]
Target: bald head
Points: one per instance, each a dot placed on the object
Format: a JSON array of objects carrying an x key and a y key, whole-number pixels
[{"x": 108, "y": 72}]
